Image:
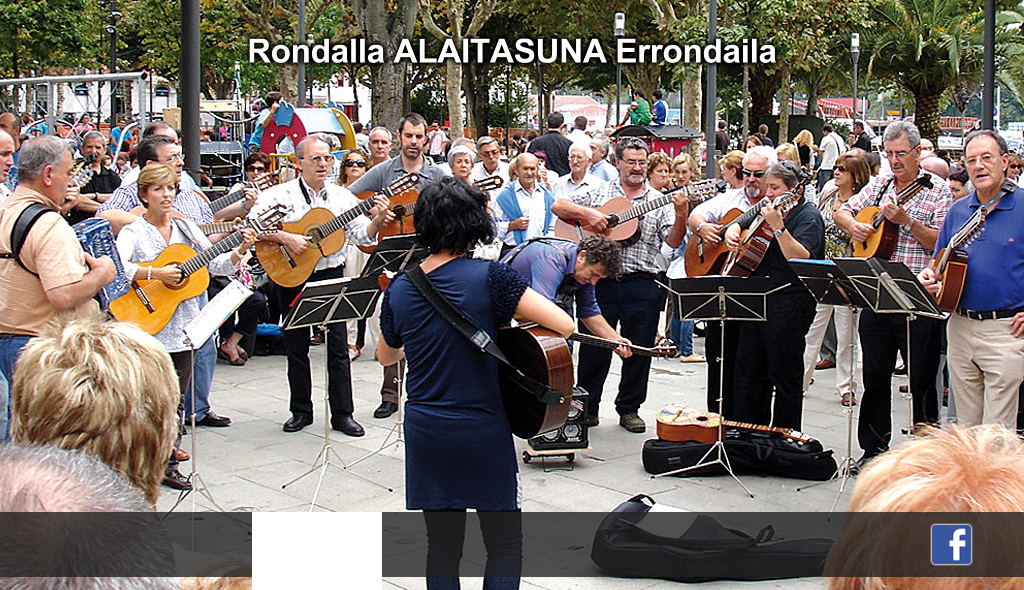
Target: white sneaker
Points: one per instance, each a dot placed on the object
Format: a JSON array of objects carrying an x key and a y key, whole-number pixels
[{"x": 693, "y": 358}]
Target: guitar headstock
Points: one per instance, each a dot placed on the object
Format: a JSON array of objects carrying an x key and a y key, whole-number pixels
[
  {"x": 269, "y": 220},
  {"x": 699, "y": 191},
  {"x": 265, "y": 180},
  {"x": 82, "y": 171},
  {"x": 489, "y": 183},
  {"x": 664, "y": 350},
  {"x": 403, "y": 183}
]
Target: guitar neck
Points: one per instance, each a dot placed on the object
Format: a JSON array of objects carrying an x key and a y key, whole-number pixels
[
  {"x": 203, "y": 258},
  {"x": 232, "y": 196},
  {"x": 342, "y": 220},
  {"x": 605, "y": 343},
  {"x": 694, "y": 193},
  {"x": 762, "y": 428},
  {"x": 217, "y": 227}
]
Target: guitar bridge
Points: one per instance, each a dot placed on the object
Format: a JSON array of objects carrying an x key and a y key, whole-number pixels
[
  {"x": 141, "y": 294},
  {"x": 288, "y": 256}
]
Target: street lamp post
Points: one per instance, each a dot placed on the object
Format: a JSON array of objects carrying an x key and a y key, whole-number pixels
[
  {"x": 619, "y": 32},
  {"x": 301, "y": 94},
  {"x": 855, "y": 54}
]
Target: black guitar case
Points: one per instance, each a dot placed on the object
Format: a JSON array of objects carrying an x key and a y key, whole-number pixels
[
  {"x": 700, "y": 550},
  {"x": 749, "y": 452}
]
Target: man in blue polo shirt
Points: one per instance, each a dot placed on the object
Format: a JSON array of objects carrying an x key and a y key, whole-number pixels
[
  {"x": 985, "y": 348},
  {"x": 562, "y": 270}
]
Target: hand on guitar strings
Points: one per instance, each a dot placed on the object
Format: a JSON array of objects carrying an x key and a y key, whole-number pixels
[
  {"x": 248, "y": 238},
  {"x": 860, "y": 232},
  {"x": 709, "y": 233},
  {"x": 295, "y": 243},
  {"x": 895, "y": 214},
  {"x": 597, "y": 220},
  {"x": 624, "y": 351},
  {"x": 732, "y": 237},
  {"x": 930, "y": 280},
  {"x": 772, "y": 216},
  {"x": 169, "y": 275},
  {"x": 249, "y": 199},
  {"x": 381, "y": 203}
]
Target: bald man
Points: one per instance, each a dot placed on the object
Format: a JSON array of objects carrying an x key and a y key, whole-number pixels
[
  {"x": 936, "y": 166},
  {"x": 523, "y": 209}
]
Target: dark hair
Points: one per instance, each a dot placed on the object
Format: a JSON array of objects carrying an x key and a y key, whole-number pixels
[
  {"x": 987, "y": 133},
  {"x": 826, "y": 128},
  {"x": 630, "y": 143},
  {"x": 357, "y": 127},
  {"x": 555, "y": 120},
  {"x": 580, "y": 122},
  {"x": 257, "y": 157},
  {"x": 638, "y": 92},
  {"x": 658, "y": 94},
  {"x": 271, "y": 98},
  {"x": 148, "y": 147},
  {"x": 604, "y": 251},
  {"x": 156, "y": 127},
  {"x": 414, "y": 119},
  {"x": 452, "y": 215},
  {"x": 960, "y": 176}
]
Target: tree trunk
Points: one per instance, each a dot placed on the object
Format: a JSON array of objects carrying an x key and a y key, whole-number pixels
[
  {"x": 762, "y": 91},
  {"x": 387, "y": 80},
  {"x": 609, "y": 91},
  {"x": 452, "y": 91},
  {"x": 784, "y": 96},
  {"x": 385, "y": 24},
  {"x": 813, "y": 87},
  {"x": 926, "y": 112},
  {"x": 288, "y": 80},
  {"x": 692, "y": 94},
  {"x": 477, "y": 87}
]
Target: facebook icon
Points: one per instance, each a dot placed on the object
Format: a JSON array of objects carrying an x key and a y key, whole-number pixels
[{"x": 951, "y": 544}]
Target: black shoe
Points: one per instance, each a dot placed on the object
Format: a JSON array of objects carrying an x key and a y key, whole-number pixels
[
  {"x": 297, "y": 422},
  {"x": 211, "y": 419},
  {"x": 859, "y": 464},
  {"x": 593, "y": 420},
  {"x": 175, "y": 480},
  {"x": 385, "y": 409},
  {"x": 348, "y": 425}
]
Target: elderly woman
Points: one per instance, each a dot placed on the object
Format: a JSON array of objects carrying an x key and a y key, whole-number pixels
[
  {"x": 460, "y": 159},
  {"x": 659, "y": 171}
]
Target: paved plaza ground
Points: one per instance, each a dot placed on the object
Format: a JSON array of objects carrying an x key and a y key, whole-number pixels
[{"x": 245, "y": 465}]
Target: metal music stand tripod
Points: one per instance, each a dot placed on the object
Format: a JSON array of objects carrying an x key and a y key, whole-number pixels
[
  {"x": 720, "y": 298},
  {"x": 393, "y": 254},
  {"x": 830, "y": 286},
  {"x": 324, "y": 303},
  {"x": 891, "y": 288}
]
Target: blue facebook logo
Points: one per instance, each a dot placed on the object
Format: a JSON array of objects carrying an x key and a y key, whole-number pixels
[{"x": 951, "y": 544}]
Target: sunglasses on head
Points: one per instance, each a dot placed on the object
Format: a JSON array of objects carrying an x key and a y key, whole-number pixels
[
  {"x": 758, "y": 174},
  {"x": 351, "y": 163}
]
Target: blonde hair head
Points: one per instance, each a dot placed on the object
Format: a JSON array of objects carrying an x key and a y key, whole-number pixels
[
  {"x": 106, "y": 388},
  {"x": 155, "y": 174}
]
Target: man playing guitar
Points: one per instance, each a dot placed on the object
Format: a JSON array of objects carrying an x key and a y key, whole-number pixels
[
  {"x": 985, "y": 349},
  {"x": 882, "y": 334}
]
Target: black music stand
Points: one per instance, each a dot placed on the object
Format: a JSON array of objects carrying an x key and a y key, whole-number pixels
[
  {"x": 393, "y": 254},
  {"x": 720, "y": 298},
  {"x": 324, "y": 303},
  {"x": 890, "y": 287},
  {"x": 830, "y": 286}
]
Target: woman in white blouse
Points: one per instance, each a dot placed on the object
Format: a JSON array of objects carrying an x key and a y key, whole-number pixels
[{"x": 143, "y": 241}]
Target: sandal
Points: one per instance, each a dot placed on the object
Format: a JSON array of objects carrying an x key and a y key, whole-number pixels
[{"x": 238, "y": 361}]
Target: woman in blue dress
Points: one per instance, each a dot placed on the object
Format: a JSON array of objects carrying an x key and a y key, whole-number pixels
[{"x": 459, "y": 448}]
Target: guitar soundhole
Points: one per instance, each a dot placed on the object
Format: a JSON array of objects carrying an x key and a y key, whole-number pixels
[
  {"x": 399, "y": 211},
  {"x": 179, "y": 285},
  {"x": 702, "y": 418}
]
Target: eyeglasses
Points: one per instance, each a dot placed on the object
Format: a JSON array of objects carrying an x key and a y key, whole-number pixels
[
  {"x": 756, "y": 174},
  {"x": 635, "y": 163},
  {"x": 840, "y": 168},
  {"x": 1017, "y": 166},
  {"x": 900, "y": 154},
  {"x": 351, "y": 163},
  {"x": 256, "y": 168}
]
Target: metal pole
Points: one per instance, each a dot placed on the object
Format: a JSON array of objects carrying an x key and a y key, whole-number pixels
[
  {"x": 855, "y": 54},
  {"x": 619, "y": 32},
  {"x": 711, "y": 96},
  {"x": 188, "y": 98},
  {"x": 989, "y": 73},
  {"x": 112, "y": 29},
  {"x": 301, "y": 98}
]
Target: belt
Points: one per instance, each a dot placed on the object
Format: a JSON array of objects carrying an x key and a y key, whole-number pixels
[
  {"x": 999, "y": 314},
  {"x": 634, "y": 276}
]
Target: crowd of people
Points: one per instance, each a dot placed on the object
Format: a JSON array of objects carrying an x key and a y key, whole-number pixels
[{"x": 52, "y": 342}]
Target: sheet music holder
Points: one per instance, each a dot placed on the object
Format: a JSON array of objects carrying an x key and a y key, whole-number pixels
[
  {"x": 827, "y": 283},
  {"x": 889, "y": 287},
  {"x": 335, "y": 300},
  {"x": 393, "y": 254},
  {"x": 721, "y": 297}
]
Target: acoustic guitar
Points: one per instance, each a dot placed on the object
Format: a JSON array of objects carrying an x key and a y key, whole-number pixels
[
  {"x": 151, "y": 304},
  {"x": 951, "y": 263},
  {"x": 758, "y": 237},
  {"x": 710, "y": 259},
  {"x": 624, "y": 216},
  {"x": 327, "y": 236},
  {"x": 678, "y": 423},
  {"x": 591, "y": 340},
  {"x": 544, "y": 356},
  {"x": 261, "y": 183},
  {"x": 882, "y": 243}
]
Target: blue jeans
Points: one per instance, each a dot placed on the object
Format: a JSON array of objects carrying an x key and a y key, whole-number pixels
[
  {"x": 10, "y": 348},
  {"x": 202, "y": 379},
  {"x": 681, "y": 333}
]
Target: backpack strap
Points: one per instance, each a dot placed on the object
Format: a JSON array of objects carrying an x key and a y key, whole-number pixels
[{"x": 19, "y": 233}]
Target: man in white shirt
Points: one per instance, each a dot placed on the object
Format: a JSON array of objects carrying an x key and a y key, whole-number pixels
[
  {"x": 310, "y": 190},
  {"x": 523, "y": 209},
  {"x": 579, "y": 130},
  {"x": 578, "y": 179},
  {"x": 599, "y": 164},
  {"x": 831, "y": 147},
  {"x": 490, "y": 164}
]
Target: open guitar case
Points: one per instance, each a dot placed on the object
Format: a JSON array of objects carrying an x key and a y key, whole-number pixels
[
  {"x": 635, "y": 542},
  {"x": 749, "y": 452}
]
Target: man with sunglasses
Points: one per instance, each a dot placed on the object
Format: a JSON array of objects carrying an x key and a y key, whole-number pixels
[
  {"x": 412, "y": 138},
  {"x": 883, "y": 334},
  {"x": 631, "y": 298}
]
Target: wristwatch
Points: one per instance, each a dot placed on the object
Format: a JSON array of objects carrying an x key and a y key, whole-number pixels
[
  {"x": 908, "y": 224},
  {"x": 779, "y": 232}
]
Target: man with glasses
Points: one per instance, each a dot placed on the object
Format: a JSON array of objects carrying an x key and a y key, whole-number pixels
[
  {"x": 705, "y": 224},
  {"x": 311, "y": 190},
  {"x": 883, "y": 334},
  {"x": 578, "y": 179},
  {"x": 490, "y": 163},
  {"x": 986, "y": 334},
  {"x": 104, "y": 181},
  {"x": 632, "y": 298},
  {"x": 412, "y": 137}
]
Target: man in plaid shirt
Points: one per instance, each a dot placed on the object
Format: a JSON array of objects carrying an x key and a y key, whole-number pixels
[
  {"x": 632, "y": 297},
  {"x": 882, "y": 334}
]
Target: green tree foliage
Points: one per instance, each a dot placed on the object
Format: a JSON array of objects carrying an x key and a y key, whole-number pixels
[{"x": 50, "y": 36}]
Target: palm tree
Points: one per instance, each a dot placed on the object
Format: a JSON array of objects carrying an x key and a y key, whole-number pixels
[{"x": 927, "y": 46}]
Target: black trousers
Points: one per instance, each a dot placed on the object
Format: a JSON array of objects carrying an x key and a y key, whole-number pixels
[
  {"x": 503, "y": 539},
  {"x": 633, "y": 308},
  {"x": 183, "y": 367},
  {"x": 770, "y": 358},
  {"x": 881, "y": 336},
  {"x": 339, "y": 371},
  {"x": 712, "y": 351}
]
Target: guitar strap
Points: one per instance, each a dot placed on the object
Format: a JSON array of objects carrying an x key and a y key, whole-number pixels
[{"x": 479, "y": 338}]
